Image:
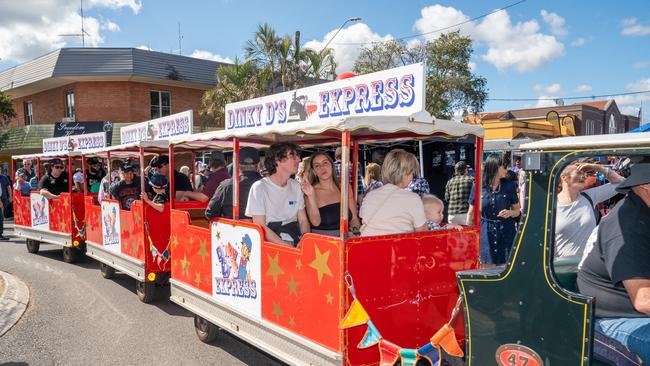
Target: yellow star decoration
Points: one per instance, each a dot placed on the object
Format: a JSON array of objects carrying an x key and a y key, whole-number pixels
[
  {"x": 186, "y": 265},
  {"x": 298, "y": 264},
  {"x": 174, "y": 242},
  {"x": 173, "y": 263},
  {"x": 292, "y": 322},
  {"x": 276, "y": 310},
  {"x": 65, "y": 204},
  {"x": 320, "y": 264},
  {"x": 274, "y": 268},
  {"x": 191, "y": 241},
  {"x": 134, "y": 248},
  {"x": 136, "y": 217},
  {"x": 203, "y": 252},
  {"x": 293, "y": 287},
  {"x": 197, "y": 279},
  {"x": 329, "y": 298}
]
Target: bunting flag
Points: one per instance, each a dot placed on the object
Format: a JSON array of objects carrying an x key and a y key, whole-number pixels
[
  {"x": 372, "y": 336},
  {"x": 356, "y": 316},
  {"x": 157, "y": 256},
  {"x": 444, "y": 339},
  {"x": 388, "y": 352}
]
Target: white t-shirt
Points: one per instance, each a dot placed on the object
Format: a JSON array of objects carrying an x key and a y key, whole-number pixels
[
  {"x": 275, "y": 202},
  {"x": 575, "y": 221},
  {"x": 391, "y": 210}
]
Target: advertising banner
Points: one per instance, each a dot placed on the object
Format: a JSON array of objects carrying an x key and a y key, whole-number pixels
[
  {"x": 83, "y": 128},
  {"x": 398, "y": 91},
  {"x": 75, "y": 142},
  {"x": 236, "y": 267},
  {"x": 40, "y": 211},
  {"x": 163, "y": 128},
  {"x": 111, "y": 226}
]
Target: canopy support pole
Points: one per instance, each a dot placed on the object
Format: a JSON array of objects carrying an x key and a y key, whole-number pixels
[
  {"x": 235, "y": 178},
  {"x": 345, "y": 173},
  {"x": 171, "y": 170},
  {"x": 421, "y": 148},
  {"x": 478, "y": 160}
]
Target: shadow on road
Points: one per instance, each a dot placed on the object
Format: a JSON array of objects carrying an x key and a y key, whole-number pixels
[
  {"x": 14, "y": 364},
  {"x": 243, "y": 351}
]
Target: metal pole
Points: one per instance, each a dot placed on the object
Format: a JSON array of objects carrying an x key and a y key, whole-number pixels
[
  {"x": 171, "y": 171},
  {"x": 83, "y": 169},
  {"x": 478, "y": 161},
  {"x": 355, "y": 167},
  {"x": 420, "y": 145},
  {"x": 235, "y": 178},
  {"x": 345, "y": 173}
]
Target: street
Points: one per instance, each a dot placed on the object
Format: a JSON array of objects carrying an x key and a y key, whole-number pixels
[{"x": 76, "y": 317}]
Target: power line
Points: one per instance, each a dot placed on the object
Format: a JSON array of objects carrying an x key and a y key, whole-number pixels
[
  {"x": 567, "y": 98},
  {"x": 433, "y": 31}
]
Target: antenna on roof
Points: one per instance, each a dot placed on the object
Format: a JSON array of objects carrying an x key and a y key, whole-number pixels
[
  {"x": 83, "y": 33},
  {"x": 180, "y": 38}
]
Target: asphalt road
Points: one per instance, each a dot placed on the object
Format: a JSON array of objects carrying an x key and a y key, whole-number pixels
[{"x": 76, "y": 317}]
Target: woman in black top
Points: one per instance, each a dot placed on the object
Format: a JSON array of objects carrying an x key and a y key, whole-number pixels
[{"x": 323, "y": 197}]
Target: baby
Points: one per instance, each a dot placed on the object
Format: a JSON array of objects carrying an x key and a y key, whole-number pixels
[{"x": 434, "y": 212}]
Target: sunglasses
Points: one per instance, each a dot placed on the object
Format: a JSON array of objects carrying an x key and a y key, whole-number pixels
[
  {"x": 293, "y": 154},
  {"x": 57, "y": 166}
]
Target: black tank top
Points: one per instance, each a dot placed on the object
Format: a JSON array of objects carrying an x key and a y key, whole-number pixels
[{"x": 330, "y": 217}]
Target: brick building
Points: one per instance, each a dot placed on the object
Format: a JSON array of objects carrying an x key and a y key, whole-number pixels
[
  {"x": 506, "y": 130},
  {"x": 110, "y": 87}
]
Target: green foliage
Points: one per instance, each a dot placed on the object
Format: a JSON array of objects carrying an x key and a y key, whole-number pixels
[
  {"x": 272, "y": 64},
  {"x": 451, "y": 85},
  {"x": 6, "y": 113}
]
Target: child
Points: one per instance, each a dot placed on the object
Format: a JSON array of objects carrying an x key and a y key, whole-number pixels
[
  {"x": 434, "y": 212},
  {"x": 157, "y": 199},
  {"x": 78, "y": 180},
  {"x": 21, "y": 184}
]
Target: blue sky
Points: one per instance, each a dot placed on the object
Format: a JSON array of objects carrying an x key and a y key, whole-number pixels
[{"x": 531, "y": 50}]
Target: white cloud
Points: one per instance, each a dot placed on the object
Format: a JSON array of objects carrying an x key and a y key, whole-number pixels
[
  {"x": 346, "y": 44},
  {"x": 207, "y": 55},
  {"x": 519, "y": 46},
  {"x": 546, "y": 101},
  {"x": 583, "y": 88},
  {"x": 556, "y": 23},
  {"x": 146, "y": 48},
  {"x": 554, "y": 88},
  {"x": 641, "y": 64},
  {"x": 578, "y": 42},
  {"x": 632, "y": 28},
  {"x": 629, "y": 104},
  {"x": 110, "y": 26},
  {"x": 630, "y": 110},
  {"x": 25, "y": 33}
]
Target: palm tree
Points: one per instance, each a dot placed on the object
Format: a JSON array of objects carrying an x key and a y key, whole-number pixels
[
  {"x": 263, "y": 49},
  {"x": 320, "y": 65}
]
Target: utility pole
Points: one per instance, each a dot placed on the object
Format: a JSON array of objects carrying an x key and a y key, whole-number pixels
[{"x": 180, "y": 38}]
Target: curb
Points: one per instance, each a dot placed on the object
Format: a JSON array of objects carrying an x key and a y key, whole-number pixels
[{"x": 13, "y": 302}]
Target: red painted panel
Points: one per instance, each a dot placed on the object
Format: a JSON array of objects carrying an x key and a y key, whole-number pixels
[
  {"x": 407, "y": 284},
  {"x": 22, "y": 214},
  {"x": 190, "y": 252},
  {"x": 93, "y": 214},
  {"x": 60, "y": 214},
  {"x": 132, "y": 231},
  {"x": 301, "y": 288},
  {"x": 156, "y": 228},
  {"x": 78, "y": 218}
]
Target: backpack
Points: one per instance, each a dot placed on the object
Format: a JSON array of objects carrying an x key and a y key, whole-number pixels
[{"x": 597, "y": 214}]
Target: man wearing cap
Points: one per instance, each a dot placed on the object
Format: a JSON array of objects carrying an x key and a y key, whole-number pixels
[
  {"x": 78, "y": 182},
  {"x": 617, "y": 270},
  {"x": 55, "y": 181},
  {"x": 218, "y": 173},
  {"x": 127, "y": 189},
  {"x": 221, "y": 202},
  {"x": 21, "y": 184},
  {"x": 94, "y": 174},
  {"x": 157, "y": 197},
  {"x": 457, "y": 193},
  {"x": 182, "y": 185}
]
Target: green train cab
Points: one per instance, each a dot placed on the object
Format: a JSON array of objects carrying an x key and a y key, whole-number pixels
[{"x": 529, "y": 312}]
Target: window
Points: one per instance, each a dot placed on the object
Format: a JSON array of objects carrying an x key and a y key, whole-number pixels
[
  {"x": 612, "y": 124},
  {"x": 69, "y": 104},
  {"x": 161, "y": 103},
  {"x": 590, "y": 127},
  {"x": 29, "y": 114}
]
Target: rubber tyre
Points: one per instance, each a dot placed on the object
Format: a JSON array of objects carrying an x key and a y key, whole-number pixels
[
  {"x": 33, "y": 246},
  {"x": 106, "y": 270},
  {"x": 146, "y": 291},
  {"x": 206, "y": 331},
  {"x": 70, "y": 254}
]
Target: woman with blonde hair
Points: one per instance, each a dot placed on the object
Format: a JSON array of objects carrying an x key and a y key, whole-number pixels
[
  {"x": 323, "y": 196},
  {"x": 391, "y": 209},
  {"x": 372, "y": 179}
]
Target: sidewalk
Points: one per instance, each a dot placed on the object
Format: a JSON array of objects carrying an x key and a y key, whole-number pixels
[{"x": 14, "y": 294}]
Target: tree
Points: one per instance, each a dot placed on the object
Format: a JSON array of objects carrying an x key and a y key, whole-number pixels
[
  {"x": 451, "y": 86},
  {"x": 6, "y": 114}
]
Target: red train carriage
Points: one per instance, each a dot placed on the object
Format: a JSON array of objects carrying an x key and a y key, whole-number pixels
[{"x": 291, "y": 300}]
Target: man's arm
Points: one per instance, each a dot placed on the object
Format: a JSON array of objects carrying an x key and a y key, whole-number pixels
[
  {"x": 216, "y": 204},
  {"x": 45, "y": 193},
  {"x": 639, "y": 292},
  {"x": 305, "y": 226},
  {"x": 270, "y": 234}
]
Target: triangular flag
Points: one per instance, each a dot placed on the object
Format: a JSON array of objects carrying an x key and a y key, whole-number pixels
[
  {"x": 371, "y": 338},
  {"x": 388, "y": 352},
  {"x": 356, "y": 316},
  {"x": 429, "y": 352},
  {"x": 446, "y": 338},
  {"x": 409, "y": 357}
]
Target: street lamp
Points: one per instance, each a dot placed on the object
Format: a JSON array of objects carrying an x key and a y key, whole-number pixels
[{"x": 352, "y": 19}]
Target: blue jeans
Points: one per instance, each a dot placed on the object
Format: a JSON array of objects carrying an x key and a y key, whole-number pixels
[
  {"x": 2, "y": 222},
  {"x": 634, "y": 333}
]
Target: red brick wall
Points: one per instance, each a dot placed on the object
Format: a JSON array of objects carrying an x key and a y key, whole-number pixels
[{"x": 116, "y": 101}]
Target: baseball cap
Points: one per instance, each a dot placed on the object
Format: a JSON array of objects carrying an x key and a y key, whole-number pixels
[
  {"x": 217, "y": 157},
  {"x": 78, "y": 177},
  {"x": 21, "y": 172},
  {"x": 159, "y": 161},
  {"x": 55, "y": 161},
  {"x": 157, "y": 180},
  {"x": 127, "y": 167},
  {"x": 93, "y": 161},
  {"x": 249, "y": 155}
]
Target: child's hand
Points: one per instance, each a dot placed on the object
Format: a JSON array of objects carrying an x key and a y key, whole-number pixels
[{"x": 454, "y": 227}]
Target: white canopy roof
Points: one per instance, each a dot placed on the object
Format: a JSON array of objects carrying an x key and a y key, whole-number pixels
[
  {"x": 421, "y": 124},
  {"x": 129, "y": 149},
  {"x": 592, "y": 141},
  {"x": 47, "y": 156}
]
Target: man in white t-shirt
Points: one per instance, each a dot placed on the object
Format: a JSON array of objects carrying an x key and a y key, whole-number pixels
[{"x": 276, "y": 202}]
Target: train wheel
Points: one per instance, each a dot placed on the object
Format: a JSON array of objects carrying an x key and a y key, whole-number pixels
[
  {"x": 106, "y": 270},
  {"x": 33, "y": 246},
  {"x": 70, "y": 254},
  {"x": 206, "y": 331},
  {"x": 146, "y": 291}
]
